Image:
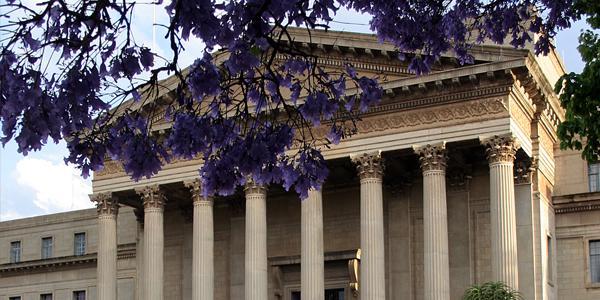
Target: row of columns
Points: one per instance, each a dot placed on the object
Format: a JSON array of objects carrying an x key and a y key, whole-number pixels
[{"x": 500, "y": 152}]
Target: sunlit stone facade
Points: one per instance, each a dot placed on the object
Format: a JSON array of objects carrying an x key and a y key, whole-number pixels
[{"x": 454, "y": 179}]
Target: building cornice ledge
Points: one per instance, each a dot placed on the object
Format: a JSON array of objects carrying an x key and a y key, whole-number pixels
[
  {"x": 54, "y": 264},
  {"x": 576, "y": 202}
]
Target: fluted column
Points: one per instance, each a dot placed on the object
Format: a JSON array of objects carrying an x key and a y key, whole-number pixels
[
  {"x": 501, "y": 152},
  {"x": 435, "y": 222},
  {"x": 256, "y": 242},
  {"x": 372, "y": 264},
  {"x": 203, "y": 244},
  {"x": 312, "y": 260},
  {"x": 107, "y": 246},
  {"x": 153, "y": 242}
]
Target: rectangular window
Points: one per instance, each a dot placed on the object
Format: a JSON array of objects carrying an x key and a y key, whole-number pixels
[
  {"x": 330, "y": 294},
  {"x": 594, "y": 176},
  {"x": 46, "y": 247},
  {"x": 15, "y": 252},
  {"x": 79, "y": 246},
  {"x": 595, "y": 261},
  {"x": 79, "y": 295},
  {"x": 46, "y": 297},
  {"x": 14, "y": 298}
]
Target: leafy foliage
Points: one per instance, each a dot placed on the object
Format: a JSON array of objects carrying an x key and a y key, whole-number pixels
[
  {"x": 491, "y": 291},
  {"x": 580, "y": 93},
  {"x": 248, "y": 103}
]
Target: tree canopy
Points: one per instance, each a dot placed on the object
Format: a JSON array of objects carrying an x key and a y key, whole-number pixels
[
  {"x": 246, "y": 106},
  {"x": 580, "y": 93}
]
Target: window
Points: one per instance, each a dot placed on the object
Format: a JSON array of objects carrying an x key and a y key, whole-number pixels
[
  {"x": 79, "y": 246},
  {"x": 46, "y": 247},
  {"x": 595, "y": 261},
  {"x": 594, "y": 177},
  {"x": 14, "y": 298},
  {"x": 15, "y": 252},
  {"x": 330, "y": 294},
  {"x": 334, "y": 294},
  {"x": 79, "y": 295},
  {"x": 46, "y": 297}
]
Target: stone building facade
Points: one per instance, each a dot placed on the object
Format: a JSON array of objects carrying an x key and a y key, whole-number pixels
[{"x": 454, "y": 179}]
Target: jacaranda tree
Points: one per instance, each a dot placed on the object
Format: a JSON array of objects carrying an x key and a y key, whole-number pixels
[{"x": 249, "y": 101}]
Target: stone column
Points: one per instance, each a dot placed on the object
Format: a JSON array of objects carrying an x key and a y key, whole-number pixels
[
  {"x": 312, "y": 260},
  {"x": 107, "y": 246},
  {"x": 372, "y": 264},
  {"x": 256, "y": 243},
  {"x": 154, "y": 202},
  {"x": 501, "y": 152},
  {"x": 203, "y": 244},
  {"x": 435, "y": 222}
]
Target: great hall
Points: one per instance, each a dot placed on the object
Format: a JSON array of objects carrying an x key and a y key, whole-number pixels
[{"x": 455, "y": 179}]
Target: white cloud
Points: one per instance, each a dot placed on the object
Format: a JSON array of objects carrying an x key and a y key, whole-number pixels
[
  {"x": 11, "y": 215},
  {"x": 57, "y": 187}
]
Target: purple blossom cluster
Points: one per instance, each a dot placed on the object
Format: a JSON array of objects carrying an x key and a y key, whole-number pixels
[{"x": 248, "y": 103}]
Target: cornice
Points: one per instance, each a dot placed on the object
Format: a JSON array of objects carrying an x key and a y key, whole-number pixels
[
  {"x": 126, "y": 251},
  {"x": 47, "y": 220},
  {"x": 576, "y": 203}
]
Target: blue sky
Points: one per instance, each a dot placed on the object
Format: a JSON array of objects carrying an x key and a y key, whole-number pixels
[{"x": 41, "y": 183}]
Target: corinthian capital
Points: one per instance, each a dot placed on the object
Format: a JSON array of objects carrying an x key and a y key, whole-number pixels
[
  {"x": 195, "y": 187},
  {"x": 432, "y": 157},
  {"x": 369, "y": 165},
  {"x": 105, "y": 203},
  {"x": 151, "y": 196},
  {"x": 500, "y": 148}
]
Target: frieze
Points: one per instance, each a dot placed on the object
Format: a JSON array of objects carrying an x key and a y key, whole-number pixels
[
  {"x": 476, "y": 109},
  {"x": 522, "y": 120},
  {"x": 433, "y": 115}
]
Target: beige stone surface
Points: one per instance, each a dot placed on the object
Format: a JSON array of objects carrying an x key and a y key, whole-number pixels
[{"x": 457, "y": 104}]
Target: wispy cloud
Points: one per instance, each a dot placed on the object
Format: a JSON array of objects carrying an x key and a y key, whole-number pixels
[
  {"x": 57, "y": 187},
  {"x": 7, "y": 215}
]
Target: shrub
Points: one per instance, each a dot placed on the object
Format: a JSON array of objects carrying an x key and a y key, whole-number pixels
[{"x": 491, "y": 291}]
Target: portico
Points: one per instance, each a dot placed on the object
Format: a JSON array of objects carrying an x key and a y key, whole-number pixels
[{"x": 419, "y": 204}]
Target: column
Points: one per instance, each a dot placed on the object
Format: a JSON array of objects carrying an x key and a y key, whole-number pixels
[
  {"x": 256, "y": 242},
  {"x": 435, "y": 222},
  {"x": 203, "y": 244},
  {"x": 372, "y": 264},
  {"x": 501, "y": 152},
  {"x": 154, "y": 202},
  {"x": 312, "y": 260},
  {"x": 107, "y": 245}
]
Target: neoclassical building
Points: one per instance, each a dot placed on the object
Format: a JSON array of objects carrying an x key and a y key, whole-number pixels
[{"x": 455, "y": 179}]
